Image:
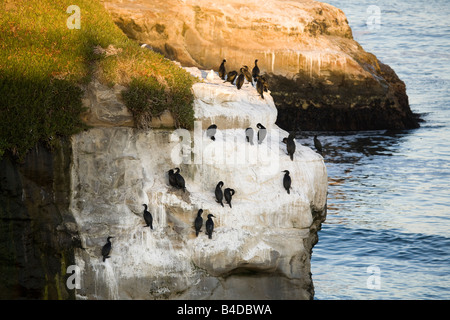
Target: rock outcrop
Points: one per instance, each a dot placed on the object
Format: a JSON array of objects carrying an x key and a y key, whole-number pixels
[
  {"x": 321, "y": 79},
  {"x": 261, "y": 247}
]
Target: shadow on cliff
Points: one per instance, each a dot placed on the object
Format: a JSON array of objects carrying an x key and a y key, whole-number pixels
[{"x": 36, "y": 246}]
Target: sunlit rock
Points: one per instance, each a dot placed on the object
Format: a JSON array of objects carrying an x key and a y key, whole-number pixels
[{"x": 260, "y": 248}]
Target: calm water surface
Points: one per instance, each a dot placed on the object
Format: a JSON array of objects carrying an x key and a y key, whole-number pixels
[{"x": 387, "y": 233}]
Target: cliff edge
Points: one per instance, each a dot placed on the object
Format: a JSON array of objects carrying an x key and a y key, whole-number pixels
[
  {"x": 261, "y": 245},
  {"x": 320, "y": 77}
]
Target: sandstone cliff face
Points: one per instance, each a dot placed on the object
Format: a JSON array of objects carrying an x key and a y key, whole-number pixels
[
  {"x": 321, "y": 79},
  {"x": 261, "y": 247}
]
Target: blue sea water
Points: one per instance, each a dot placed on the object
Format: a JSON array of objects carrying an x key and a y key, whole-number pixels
[{"x": 387, "y": 233}]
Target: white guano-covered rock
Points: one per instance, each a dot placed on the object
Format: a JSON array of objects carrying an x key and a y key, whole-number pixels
[{"x": 260, "y": 248}]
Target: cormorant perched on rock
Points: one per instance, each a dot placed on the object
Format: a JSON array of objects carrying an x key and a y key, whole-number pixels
[
  {"x": 262, "y": 132},
  {"x": 179, "y": 180},
  {"x": 148, "y": 217},
  {"x": 260, "y": 83},
  {"x": 209, "y": 226},
  {"x": 231, "y": 76},
  {"x": 255, "y": 70},
  {"x": 198, "y": 223},
  {"x": 106, "y": 250},
  {"x": 247, "y": 74},
  {"x": 287, "y": 181},
  {"x": 211, "y": 131},
  {"x": 222, "y": 71},
  {"x": 290, "y": 145},
  {"x": 249, "y": 135},
  {"x": 266, "y": 85},
  {"x": 240, "y": 80},
  {"x": 317, "y": 144},
  {"x": 228, "y": 193},
  {"x": 172, "y": 179},
  {"x": 218, "y": 192}
]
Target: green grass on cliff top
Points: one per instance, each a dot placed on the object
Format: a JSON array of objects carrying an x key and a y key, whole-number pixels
[{"x": 44, "y": 66}]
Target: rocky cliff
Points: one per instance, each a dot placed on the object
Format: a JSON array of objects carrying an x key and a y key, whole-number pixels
[
  {"x": 58, "y": 207},
  {"x": 261, "y": 247},
  {"x": 321, "y": 79},
  {"x": 38, "y": 232}
]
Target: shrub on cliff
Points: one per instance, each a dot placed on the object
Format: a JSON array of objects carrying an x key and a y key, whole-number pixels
[
  {"x": 154, "y": 84},
  {"x": 44, "y": 65}
]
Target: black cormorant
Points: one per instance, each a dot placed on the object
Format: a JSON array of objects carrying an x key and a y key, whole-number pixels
[
  {"x": 290, "y": 146},
  {"x": 231, "y": 76},
  {"x": 287, "y": 181},
  {"x": 209, "y": 226},
  {"x": 198, "y": 222},
  {"x": 179, "y": 180},
  {"x": 172, "y": 179},
  {"x": 148, "y": 217},
  {"x": 317, "y": 144},
  {"x": 218, "y": 192},
  {"x": 106, "y": 250},
  {"x": 211, "y": 131},
  {"x": 249, "y": 135},
  {"x": 240, "y": 79},
  {"x": 260, "y": 82},
  {"x": 266, "y": 85},
  {"x": 261, "y": 132},
  {"x": 255, "y": 70},
  {"x": 247, "y": 74},
  {"x": 228, "y": 193},
  {"x": 222, "y": 71}
]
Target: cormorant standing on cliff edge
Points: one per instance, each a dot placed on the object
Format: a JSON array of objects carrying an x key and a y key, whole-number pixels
[
  {"x": 249, "y": 135},
  {"x": 211, "y": 131},
  {"x": 247, "y": 74},
  {"x": 261, "y": 132},
  {"x": 266, "y": 85},
  {"x": 172, "y": 180},
  {"x": 222, "y": 71},
  {"x": 240, "y": 79},
  {"x": 255, "y": 70},
  {"x": 218, "y": 192},
  {"x": 148, "y": 217},
  {"x": 231, "y": 76},
  {"x": 179, "y": 180},
  {"x": 106, "y": 250},
  {"x": 287, "y": 181},
  {"x": 198, "y": 223},
  {"x": 209, "y": 226},
  {"x": 290, "y": 145},
  {"x": 228, "y": 193},
  {"x": 318, "y": 145},
  {"x": 260, "y": 83}
]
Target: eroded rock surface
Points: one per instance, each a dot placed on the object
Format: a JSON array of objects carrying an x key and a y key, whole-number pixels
[
  {"x": 320, "y": 77},
  {"x": 260, "y": 248}
]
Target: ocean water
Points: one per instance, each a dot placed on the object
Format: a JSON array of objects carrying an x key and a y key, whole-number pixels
[{"x": 387, "y": 233}]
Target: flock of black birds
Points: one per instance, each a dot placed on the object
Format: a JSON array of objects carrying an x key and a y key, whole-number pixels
[
  {"x": 249, "y": 133},
  {"x": 209, "y": 225},
  {"x": 177, "y": 181},
  {"x": 244, "y": 74}
]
